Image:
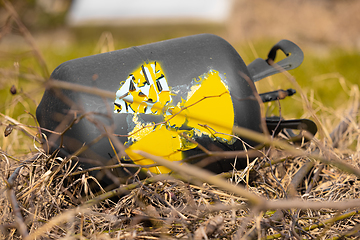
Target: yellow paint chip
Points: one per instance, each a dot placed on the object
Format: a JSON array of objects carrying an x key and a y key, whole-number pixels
[{"x": 160, "y": 142}]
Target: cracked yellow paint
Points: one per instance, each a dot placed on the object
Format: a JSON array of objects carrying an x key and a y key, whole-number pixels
[
  {"x": 207, "y": 110},
  {"x": 140, "y": 130},
  {"x": 161, "y": 142}
]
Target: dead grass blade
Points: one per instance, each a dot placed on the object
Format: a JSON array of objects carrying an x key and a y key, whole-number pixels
[
  {"x": 28, "y": 37},
  {"x": 203, "y": 175}
]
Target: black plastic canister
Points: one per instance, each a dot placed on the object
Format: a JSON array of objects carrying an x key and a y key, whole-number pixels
[{"x": 194, "y": 87}]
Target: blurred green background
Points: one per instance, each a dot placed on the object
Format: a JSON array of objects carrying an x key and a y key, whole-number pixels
[{"x": 327, "y": 31}]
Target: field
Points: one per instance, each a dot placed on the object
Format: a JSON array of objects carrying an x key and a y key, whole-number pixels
[{"x": 289, "y": 192}]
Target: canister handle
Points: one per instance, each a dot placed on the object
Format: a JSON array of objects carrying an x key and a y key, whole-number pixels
[
  {"x": 275, "y": 125},
  {"x": 261, "y": 68}
]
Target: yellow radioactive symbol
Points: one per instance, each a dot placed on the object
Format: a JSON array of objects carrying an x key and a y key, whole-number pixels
[{"x": 207, "y": 110}]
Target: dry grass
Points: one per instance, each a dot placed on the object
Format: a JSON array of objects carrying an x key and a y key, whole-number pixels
[
  {"x": 289, "y": 192},
  {"x": 318, "y": 202}
]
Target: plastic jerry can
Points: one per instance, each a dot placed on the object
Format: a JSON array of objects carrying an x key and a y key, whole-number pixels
[{"x": 169, "y": 97}]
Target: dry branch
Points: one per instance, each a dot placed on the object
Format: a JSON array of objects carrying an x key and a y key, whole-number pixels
[
  {"x": 19, "y": 220},
  {"x": 27, "y": 36},
  {"x": 203, "y": 175}
]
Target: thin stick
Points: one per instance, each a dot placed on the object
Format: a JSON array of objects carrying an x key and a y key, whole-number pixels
[
  {"x": 299, "y": 176},
  {"x": 247, "y": 133},
  {"x": 21, "y": 226},
  {"x": 27, "y": 35},
  {"x": 206, "y": 176},
  {"x": 80, "y": 88}
]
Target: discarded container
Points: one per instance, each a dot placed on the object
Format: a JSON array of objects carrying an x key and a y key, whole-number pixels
[{"x": 169, "y": 97}]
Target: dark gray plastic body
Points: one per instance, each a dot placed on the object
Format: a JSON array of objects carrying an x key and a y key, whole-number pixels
[{"x": 182, "y": 60}]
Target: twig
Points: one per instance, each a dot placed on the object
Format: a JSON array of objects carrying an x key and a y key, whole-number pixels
[
  {"x": 258, "y": 99},
  {"x": 208, "y": 227},
  {"x": 247, "y": 133},
  {"x": 79, "y": 88},
  {"x": 121, "y": 190},
  {"x": 302, "y": 204},
  {"x": 17, "y": 213},
  {"x": 315, "y": 178},
  {"x": 13, "y": 176},
  {"x": 354, "y": 231},
  {"x": 322, "y": 130},
  {"x": 57, "y": 220},
  {"x": 322, "y": 223},
  {"x": 27, "y": 35},
  {"x": 23, "y": 128},
  {"x": 299, "y": 176},
  {"x": 27, "y": 76},
  {"x": 6, "y": 29},
  {"x": 21, "y": 226},
  {"x": 206, "y": 176},
  {"x": 84, "y": 208},
  {"x": 333, "y": 219},
  {"x": 342, "y": 127},
  {"x": 120, "y": 165}
]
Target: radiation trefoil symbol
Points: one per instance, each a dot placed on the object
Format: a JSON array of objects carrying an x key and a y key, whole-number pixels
[{"x": 207, "y": 110}]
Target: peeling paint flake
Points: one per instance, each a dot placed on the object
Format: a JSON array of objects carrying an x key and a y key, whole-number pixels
[{"x": 144, "y": 91}]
